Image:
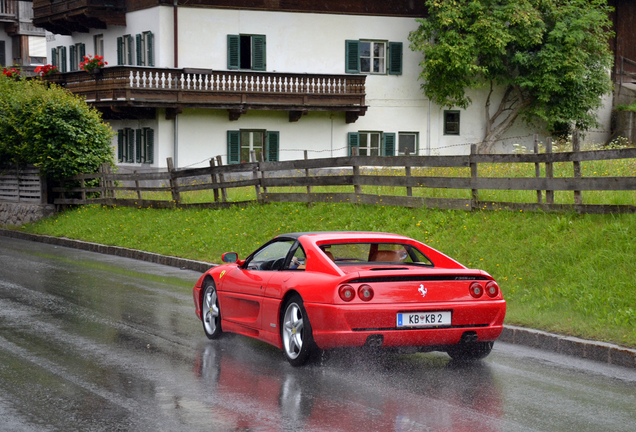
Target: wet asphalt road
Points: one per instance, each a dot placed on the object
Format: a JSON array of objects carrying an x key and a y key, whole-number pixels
[{"x": 99, "y": 343}]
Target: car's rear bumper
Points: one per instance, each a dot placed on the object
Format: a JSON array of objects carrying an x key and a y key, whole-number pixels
[{"x": 356, "y": 325}]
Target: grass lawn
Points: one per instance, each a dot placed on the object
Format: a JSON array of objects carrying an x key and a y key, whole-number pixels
[{"x": 566, "y": 273}]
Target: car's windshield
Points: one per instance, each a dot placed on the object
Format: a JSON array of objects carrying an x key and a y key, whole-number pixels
[{"x": 392, "y": 253}]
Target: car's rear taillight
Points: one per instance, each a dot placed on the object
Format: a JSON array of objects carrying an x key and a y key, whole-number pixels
[
  {"x": 492, "y": 289},
  {"x": 347, "y": 293},
  {"x": 365, "y": 292},
  {"x": 476, "y": 290}
]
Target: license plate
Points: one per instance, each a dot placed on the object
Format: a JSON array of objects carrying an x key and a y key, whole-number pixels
[{"x": 423, "y": 319}]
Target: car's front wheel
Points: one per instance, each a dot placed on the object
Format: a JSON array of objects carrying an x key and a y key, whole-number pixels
[
  {"x": 210, "y": 312},
  {"x": 470, "y": 351},
  {"x": 295, "y": 329}
]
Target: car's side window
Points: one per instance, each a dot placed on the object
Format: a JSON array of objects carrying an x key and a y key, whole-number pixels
[
  {"x": 298, "y": 260},
  {"x": 271, "y": 257}
]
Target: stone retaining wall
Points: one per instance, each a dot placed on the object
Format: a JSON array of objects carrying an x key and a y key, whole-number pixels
[{"x": 20, "y": 213}]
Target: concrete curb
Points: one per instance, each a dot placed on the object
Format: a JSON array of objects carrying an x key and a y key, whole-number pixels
[
  {"x": 182, "y": 263},
  {"x": 572, "y": 346}
]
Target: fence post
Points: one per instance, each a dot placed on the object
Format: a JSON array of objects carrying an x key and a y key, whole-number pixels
[
  {"x": 216, "y": 191},
  {"x": 407, "y": 173},
  {"x": 576, "y": 147},
  {"x": 174, "y": 187},
  {"x": 137, "y": 186},
  {"x": 356, "y": 171},
  {"x": 110, "y": 184},
  {"x": 83, "y": 187},
  {"x": 262, "y": 172},
  {"x": 102, "y": 181},
  {"x": 537, "y": 167},
  {"x": 309, "y": 203},
  {"x": 219, "y": 162},
  {"x": 549, "y": 171},
  {"x": 257, "y": 186},
  {"x": 474, "y": 177}
]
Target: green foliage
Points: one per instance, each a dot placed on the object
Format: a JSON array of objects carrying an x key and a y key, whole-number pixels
[
  {"x": 550, "y": 58},
  {"x": 50, "y": 128}
]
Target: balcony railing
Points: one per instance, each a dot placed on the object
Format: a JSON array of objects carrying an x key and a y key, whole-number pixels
[
  {"x": 235, "y": 91},
  {"x": 8, "y": 10}
]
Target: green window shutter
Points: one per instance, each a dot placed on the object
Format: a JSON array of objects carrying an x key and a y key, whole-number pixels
[
  {"x": 81, "y": 53},
  {"x": 273, "y": 140},
  {"x": 388, "y": 143},
  {"x": 63, "y": 58},
  {"x": 150, "y": 146},
  {"x": 120, "y": 145},
  {"x": 395, "y": 58},
  {"x": 352, "y": 56},
  {"x": 138, "y": 146},
  {"x": 130, "y": 151},
  {"x": 233, "y": 51},
  {"x": 53, "y": 58},
  {"x": 130, "y": 51},
  {"x": 120, "y": 51},
  {"x": 139, "y": 53},
  {"x": 258, "y": 53},
  {"x": 150, "y": 46},
  {"x": 233, "y": 147},
  {"x": 353, "y": 139},
  {"x": 73, "y": 65}
]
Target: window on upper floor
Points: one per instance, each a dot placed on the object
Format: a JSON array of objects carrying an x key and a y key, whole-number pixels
[
  {"x": 98, "y": 45},
  {"x": 373, "y": 57},
  {"x": 136, "y": 145},
  {"x": 76, "y": 55},
  {"x": 145, "y": 48},
  {"x": 58, "y": 58},
  {"x": 372, "y": 143},
  {"x": 451, "y": 122},
  {"x": 246, "y": 52},
  {"x": 241, "y": 143},
  {"x": 3, "y": 54},
  {"x": 125, "y": 48}
]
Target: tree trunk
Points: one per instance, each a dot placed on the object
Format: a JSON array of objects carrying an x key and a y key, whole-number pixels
[{"x": 498, "y": 124}]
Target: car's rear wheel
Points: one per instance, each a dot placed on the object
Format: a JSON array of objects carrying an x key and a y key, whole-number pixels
[
  {"x": 295, "y": 332},
  {"x": 210, "y": 312},
  {"x": 470, "y": 351}
]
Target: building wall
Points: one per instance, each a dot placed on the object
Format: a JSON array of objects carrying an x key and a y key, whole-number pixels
[{"x": 296, "y": 43}]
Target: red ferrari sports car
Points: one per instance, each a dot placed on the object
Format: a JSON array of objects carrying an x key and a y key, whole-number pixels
[{"x": 306, "y": 292}]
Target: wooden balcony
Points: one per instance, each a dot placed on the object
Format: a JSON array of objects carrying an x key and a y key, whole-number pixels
[
  {"x": 8, "y": 10},
  {"x": 134, "y": 90},
  {"x": 67, "y": 16}
]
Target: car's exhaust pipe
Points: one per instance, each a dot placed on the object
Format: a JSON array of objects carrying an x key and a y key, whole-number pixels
[
  {"x": 469, "y": 337},
  {"x": 374, "y": 341}
]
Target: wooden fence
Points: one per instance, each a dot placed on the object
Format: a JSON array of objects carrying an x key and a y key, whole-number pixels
[
  {"x": 22, "y": 185},
  {"x": 399, "y": 173}
]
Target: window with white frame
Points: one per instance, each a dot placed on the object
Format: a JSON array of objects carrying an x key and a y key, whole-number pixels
[
  {"x": 372, "y": 143},
  {"x": 408, "y": 141},
  {"x": 58, "y": 58},
  {"x": 145, "y": 48},
  {"x": 373, "y": 57},
  {"x": 98, "y": 45},
  {"x": 76, "y": 55},
  {"x": 241, "y": 143},
  {"x": 136, "y": 145},
  {"x": 125, "y": 50}
]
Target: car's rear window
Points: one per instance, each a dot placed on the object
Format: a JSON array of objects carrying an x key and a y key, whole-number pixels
[{"x": 377, "y": 253}]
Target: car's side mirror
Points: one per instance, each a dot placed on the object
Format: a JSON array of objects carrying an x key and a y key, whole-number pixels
[{"x": 229, "y": 257}]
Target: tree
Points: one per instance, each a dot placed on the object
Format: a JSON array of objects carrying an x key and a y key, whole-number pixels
[
  {"x": 550, "y": 59},
  {"x": 50, "y": 128}
]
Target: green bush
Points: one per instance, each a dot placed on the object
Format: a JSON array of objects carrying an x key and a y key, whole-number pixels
[{"x": 51, "y": 129}]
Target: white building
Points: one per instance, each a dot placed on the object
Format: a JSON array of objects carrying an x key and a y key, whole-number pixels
[
  {"x": 193, "y": 81},
  {"x": 21, "y": 43}
]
